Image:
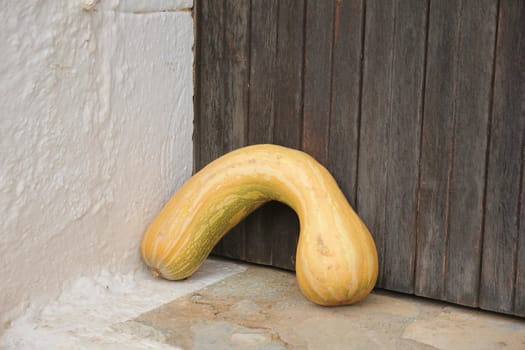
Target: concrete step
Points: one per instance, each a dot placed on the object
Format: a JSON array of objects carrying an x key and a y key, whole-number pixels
[{"x": 228, "y": 305}]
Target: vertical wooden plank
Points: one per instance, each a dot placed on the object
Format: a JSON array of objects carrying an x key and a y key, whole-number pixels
[
  {"x": 209, "y": 115},
  {"x": 454, "y": 142},
  {"x": 472, "y": 107},
  {"x": 346, "y": 95},
  {"x": 281, "y": 226},
  {"x": 281, "y": 221},
  {"x": 376, "y": 104},
  {"x": 436, "y": 148},
  {"x": 390, "y": 134},
  {"x": 263, "y": 48},
  {"x": 199, "y": 87},
  {"x": 519, "y": 292},
  {"x": 289, "y": 74},
  {"x": 235, "y": 101},
  {"x": 317, "y": 77},
  {"x": 504, "y": 174},
  {"x": 236, "y": 77},
  {"x": 402, "y": 159}
]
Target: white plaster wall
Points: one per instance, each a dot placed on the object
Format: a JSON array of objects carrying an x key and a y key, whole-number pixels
[{"x": 95, "y": 135}]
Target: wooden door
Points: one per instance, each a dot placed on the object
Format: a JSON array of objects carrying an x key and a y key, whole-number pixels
[{"x": 416, "y": 107}]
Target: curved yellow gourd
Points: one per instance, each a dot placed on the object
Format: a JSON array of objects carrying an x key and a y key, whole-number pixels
[{"x": 336, "y": 259}]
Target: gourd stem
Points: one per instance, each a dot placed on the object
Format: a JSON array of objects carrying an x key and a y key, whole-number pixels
[{"x": 155, "y": 272}]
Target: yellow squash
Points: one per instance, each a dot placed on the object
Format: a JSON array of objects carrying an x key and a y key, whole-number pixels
[{"x": 336, "y": 259}]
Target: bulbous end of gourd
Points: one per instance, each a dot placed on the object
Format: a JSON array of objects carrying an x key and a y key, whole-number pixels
[
  {"x": 336, "y": 259},
  {"x": 331, "y": 274}
]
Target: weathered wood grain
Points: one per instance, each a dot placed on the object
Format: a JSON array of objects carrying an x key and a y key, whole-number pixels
[
  {"x": 236, "y": 71},
  {"x": 282, "y": 222},
  {"x": 346, "y": 94},
  {"x": 402, "y": 157},
  {"x": 475, "y": 57},
  {"x": 376, "y": 104},
  {"x": 390, "y": 134},
  {"x": 436, "y": 148},
  {"x": 209, "y": 119},
  {"x": 416, "y": 107},
  {"x": 519, "y": 293},
  {"x": 235, "y": 77},
  {"x": 209, "y": 102},
  {"x": 317, "y": 77},
  {"x": 289, "y": 74},
  {"x": 457, "y": 95},
  {"x": 261, "y": 118},
  {"x": 505, "y": 161}
]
